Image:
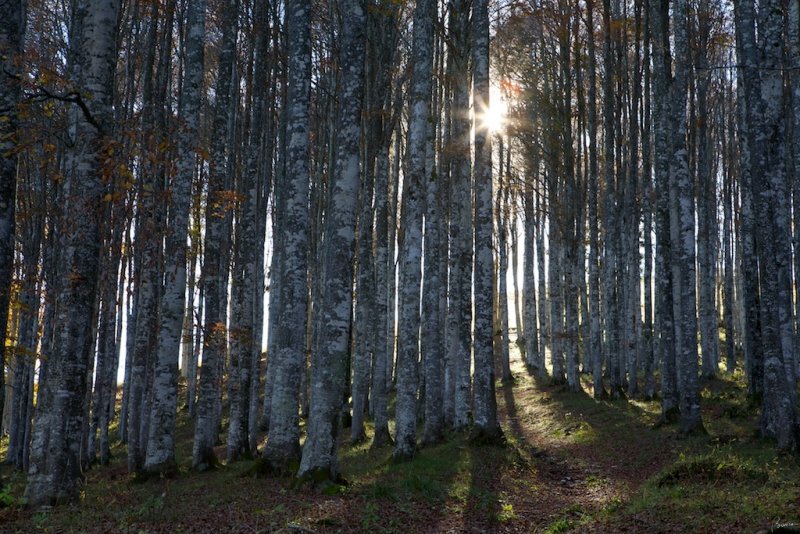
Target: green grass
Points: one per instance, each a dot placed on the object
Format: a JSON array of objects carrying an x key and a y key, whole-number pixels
[{"x": 570, "y": 464}]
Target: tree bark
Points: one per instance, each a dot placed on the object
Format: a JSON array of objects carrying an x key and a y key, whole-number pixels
[
  {"x": 487, "y": 426},
  {"x": 283, "y": 447},
  {"x": 779, "y": 419},
  {"x": 214, "y": 269},
  {"x": 411, "y": 227},
  {"x": 55, "y": 469},
  {"x": 684, "y": 246},
  {"x": 459, "y": 307},
  {"x": 12, "y": 30},
  {"x": 329, "y": 362},
  {"x": 664, "y": 328},
  {"x": 160, "y": 457}
]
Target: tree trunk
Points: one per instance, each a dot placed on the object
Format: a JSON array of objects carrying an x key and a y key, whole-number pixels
[
  {"x": 288, "y": 357},
  {"x": 487, "y": 427},
  {"x": 665, "y": 329},
  {"x": 148, "y": 248},
  {"x": 329, "y": 362},
  {"x": 648, "y": 204},
  {"x": 411, "y": 228},
  {"x": 160, "y": 456},
  {"x": 534, "y": 353},
  {"x": 55, "y": 450},
  {"x": 386, "y": 31},
  {"x": 611, "y": 260},
  {"x": 214, "y": 269},
  {"x": 502, "y": 211},
  {"x": 432, "y": 330},
  {"x": 684, "y": 242},
  {"x": 779, "y": 419},
  {"x": 460, "y": 302},
  {"x": 12, "y": 30},
  {"x": 706, "y": 206},
  {"x": 748, "y": 86},
  {"x": 595, "y": 333}
]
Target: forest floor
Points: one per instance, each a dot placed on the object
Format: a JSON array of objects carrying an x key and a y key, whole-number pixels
[{"x": 571, "y": 464}]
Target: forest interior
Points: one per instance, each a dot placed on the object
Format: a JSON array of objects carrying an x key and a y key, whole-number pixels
[{"x": 400, "y": 266}]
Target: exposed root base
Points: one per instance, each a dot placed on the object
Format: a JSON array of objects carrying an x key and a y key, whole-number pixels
[
  {"x": 323, "y": 480},
  {"x": 694, "y": 429},
  {"x": 618, "y": 394},
  {"x": 558, "y": 381},
  {"x": 575, "y": 388},
  {"x": 207, "y": 462},
  {"x": 670, "y": 417},
  {"x": 433, "y": 438},
  {"x": 359, "y": 439},
  {"x": 266, "y": 468},
  {"x": 240, "y": 456},
  {"x": 169, "y": 470},
  {"x": 382, "y": 438},
  {"x": 483, "y": 437},
  {"x": 403, "y": 457}
]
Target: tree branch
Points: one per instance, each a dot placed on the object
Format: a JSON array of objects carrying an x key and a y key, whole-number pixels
[{"x": 41, "y": 94}]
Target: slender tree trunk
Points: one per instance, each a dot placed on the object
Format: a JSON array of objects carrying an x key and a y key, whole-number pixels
[
  {"x": 706, "y": 208},
  {"x": 665, "y": 329},
  {"x": 362, "y": 329},
  {"x": 55, "y": 450},
  {"x": 130, "y": 339},
  {"x": 148, "y": 248},
  {"x": 533, "y": 351},
  {"x": 288, "y": 357},
  {"x": 648, "y": 204},
  {"x": 779, "y": 419},
  {"x": 160, "y": 457},
  {"x": 245, "y": 344},
  {"x": 214, "y": 269},
  {"x": 793, "y": 33},
  {"x": 611, "y": 260},
  {"x": 544, "y": 315},
  {"x": 274, "y": 333},
  {"x": 199, "y": 340},
  {"x": 262, "y": 155},
  {"x": 748, "y": 85},
  {"x": 26, "y": 337},
  {"x": 595, "y": 333},
  {"x": 411, "y": 242},
  {"x": 105, "y": 377},
  {"x": 382, "y": 330},
  {"x": 329, "y": 363},
  {"x": 260, "y": 163},
  {"x": 12, "y": 30},
  {"x": 487, "y": 427},
  {"x": 432, "y": 334},
  {"x": 501, "y": 214},
  {"x": 460, "y": 302},
  {"x": 684, "y": 245},
  {"x": 727, "y": 253}
]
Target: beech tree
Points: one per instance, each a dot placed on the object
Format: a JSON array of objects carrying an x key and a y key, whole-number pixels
[
  {"x": 486, "y": 424},
  {"x": 160, "y": 446},
  {"x": 12, "y": 32},
  {"x": 56, "y": 466},
  {"x": 214, "y": 268},
  {"x": 283, "y": 445},
  {"x": 329, "y": 362},
  {"x": 410, "y": 260}
]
